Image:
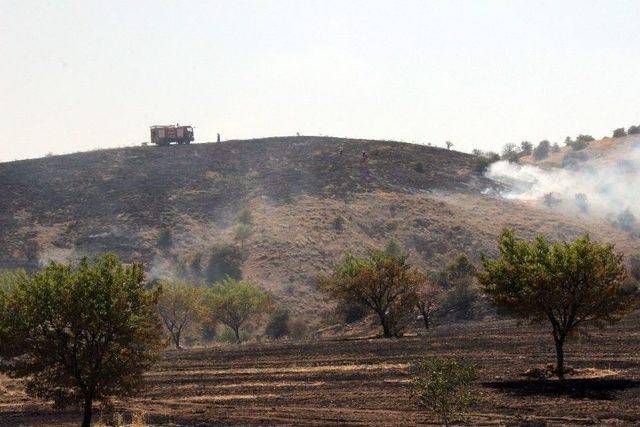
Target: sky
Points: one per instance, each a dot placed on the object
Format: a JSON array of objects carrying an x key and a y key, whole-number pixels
[{"x": 82, "y": 75}]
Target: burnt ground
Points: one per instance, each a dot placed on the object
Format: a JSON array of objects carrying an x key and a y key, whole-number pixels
[{"x": 366, "y": 381}]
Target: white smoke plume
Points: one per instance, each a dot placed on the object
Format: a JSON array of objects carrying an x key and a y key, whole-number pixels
[{"x": 606, "y": 187}]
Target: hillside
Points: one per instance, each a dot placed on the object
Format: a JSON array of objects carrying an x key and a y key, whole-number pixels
[{"x": 120, "y": 200}]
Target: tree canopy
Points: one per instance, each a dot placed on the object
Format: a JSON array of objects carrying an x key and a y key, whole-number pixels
[
  {"x": 81, "y": 332},
  {"x": 569, "y": 285},
  {"x": 235, "y": 303},
  {"x": 384, "y": 283},
  {"x": 180, "y": 306}
]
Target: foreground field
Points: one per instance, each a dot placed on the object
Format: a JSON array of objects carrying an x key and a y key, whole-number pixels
[{"x": 366, "y": 381}]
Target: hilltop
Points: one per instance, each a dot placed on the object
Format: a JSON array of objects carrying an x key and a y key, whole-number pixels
[{"x": 434, "y": 201}]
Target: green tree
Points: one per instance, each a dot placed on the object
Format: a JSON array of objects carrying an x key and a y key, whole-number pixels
[
  {"x": 570, "y": 285},
  {"x": 633, "y": 130},
  {"x": 245, "y": 217},
  {"x": 242, "y": 233},
  {"x": 180, "y": 306},
  {"x": 80, "y": 333},
  {"x": 443, "y": 387},
  {"x": 384, "y": 283},
  {"x": 235, "y": 303}
]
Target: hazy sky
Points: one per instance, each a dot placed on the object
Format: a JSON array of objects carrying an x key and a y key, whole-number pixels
[{"x": 78, "y": 75}]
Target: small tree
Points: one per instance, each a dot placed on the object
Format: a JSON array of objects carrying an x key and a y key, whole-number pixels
[
  {"x": 394, "y": 248},
  {"x": 555, "y": 147},
  {"x": 617, "y": 133},
  {"x": 245, "y": 216},
  {"x": 570, "y": 285},
  {"x": 443, "y": 387},
  {"x": 235, "y": 303},
  {"x": 180, "y": 306},
  {"x": 242, "y": 233},
  {"x": 449, "y": 144},
  {"x": 427, "y": 298},
  {"x": 79, "y": 333},
  {"x": 338, "y": 223},
  {"x": 633, "y": 130},
  {"x": 510, "y": 152},
  {"x": 384, "y": 283}
]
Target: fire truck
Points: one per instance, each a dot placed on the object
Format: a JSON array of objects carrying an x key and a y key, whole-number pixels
[{"x": 165, "y": 135}]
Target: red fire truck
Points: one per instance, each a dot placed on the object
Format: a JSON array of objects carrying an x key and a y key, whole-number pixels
[{"x": 165, "y": 135}]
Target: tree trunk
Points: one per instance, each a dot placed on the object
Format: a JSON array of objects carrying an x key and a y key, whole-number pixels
[
  {"x": 425, "y": 317},
  {"x": 386, "y": 329},
  {"x": 176, "y": 340},
  {"x": 559, "y": 357},
  {"x": 88, "y": 412},
  {"x": 236, "y": 331}
]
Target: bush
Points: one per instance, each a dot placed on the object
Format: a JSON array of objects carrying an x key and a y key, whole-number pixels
[
  {"x": 418, "y": 167},
  {"x": 551, "y": 201},
  {"x": 555, "y": 147},
  {"x": 278, "y": 325},
  {"x": 338, "y": 223},
  {"x": 626, "y": 221},
  {"x": 298, "y": 328},
  {"x": 443, "y": 387},
  {"x": 165, "y": 239},
  {"x": 351, "y": 312},
  {"x": 633, "y": 130},
  {"x": 225, "y": 261},
  {"x": 617, "y": 133}
]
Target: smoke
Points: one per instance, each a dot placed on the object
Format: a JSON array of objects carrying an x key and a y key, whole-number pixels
[{"x": 605, "y": 187}]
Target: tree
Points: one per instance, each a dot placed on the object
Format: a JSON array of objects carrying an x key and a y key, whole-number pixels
[
  {"x": 542, "y": 150},
  {"x": 245, "y": 216},
  {"x": 235, "y": 303},
  {"x": 582, "y": 141},
  {"x": 80, "y": 333},
  {"x": 443, "y": 387},
  {"x": 225, "y": 260},
  {"x": 510, "y": 152},
  {"x": 427, "y": 298},
  {"x": 242, "y": 233},
  {"x": 338, "y": 223},
  {"x": 525, "y": 148},
  {"x": 617, "y": 133},
  {"x": 384, "y": 283},
  {"x": 633, "y": 130},
  {"x": 459, "y": 269},
  {"x": 555, "y": 147},
  {"x": 570, "y": 285},
  {"x": 165, "y": 239},
  {"x": 449, "y": 144},
  {"x": 180, "y": 306}
]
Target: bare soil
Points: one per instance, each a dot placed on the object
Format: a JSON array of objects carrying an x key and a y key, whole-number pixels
[{"x": 366, "y": 381}]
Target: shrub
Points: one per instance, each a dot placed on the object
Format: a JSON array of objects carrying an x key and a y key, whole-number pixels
[
  {"x": 582, "y": 202},
  {"x": 443, "y": 387},
  {"x": 633, "y": 130},
  {"x": 569, "y": 284},
  {"x": 418, "y": 167},
  {"x": 165, "y": 239},
  {"x": 225, "y": 261},
  {"x": 278, "y": 325},
  {"x": 350, "y": 311},
  {"x": 525, "y": 148},
  {"x": 555, "y": 147},
  {"x": 551, "y": 200},
  {"x": 298, "y": 328},
  {"x": 338, "y": 223},
  {"x": 626, "y": 221}
]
